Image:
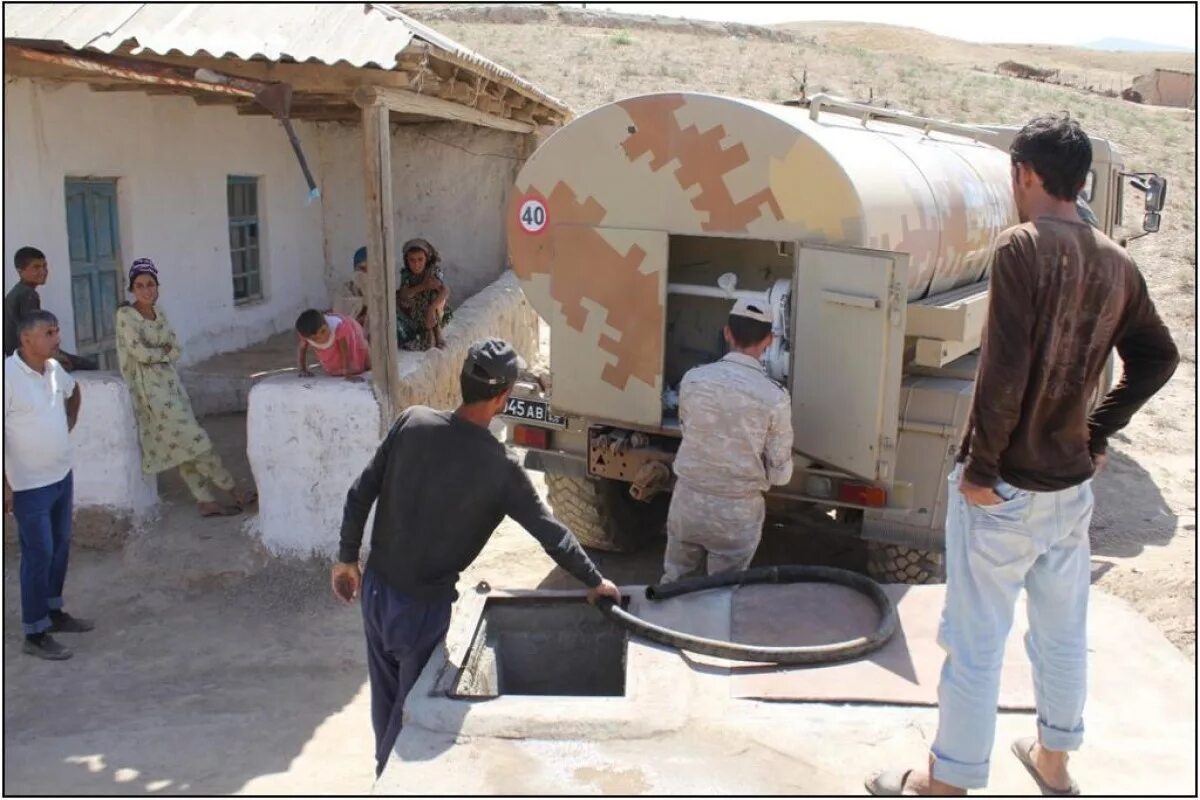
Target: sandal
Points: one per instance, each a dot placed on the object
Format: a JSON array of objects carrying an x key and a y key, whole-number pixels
[
  {"x": 890, "y": 783},
  {"x": 1023, "y": 749},
  {"x": 245, "y": 498}
]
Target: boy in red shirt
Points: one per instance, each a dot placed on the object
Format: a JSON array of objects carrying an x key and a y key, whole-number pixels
[{"x": 338, "y": 341}]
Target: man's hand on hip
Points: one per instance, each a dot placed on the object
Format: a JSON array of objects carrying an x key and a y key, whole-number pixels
[
  {"x": 346, "y": 580},
  {"x": 979, "y": 495},
  {"x": 606, "y": 588}
]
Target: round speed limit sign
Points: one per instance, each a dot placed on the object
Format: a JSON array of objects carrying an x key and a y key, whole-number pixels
[{"x": 533, "y": 216}]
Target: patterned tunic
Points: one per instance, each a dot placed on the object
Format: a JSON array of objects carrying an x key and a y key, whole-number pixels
[
  {"x": 167, "y": 429},
  {"x": 410, "y": 319}
]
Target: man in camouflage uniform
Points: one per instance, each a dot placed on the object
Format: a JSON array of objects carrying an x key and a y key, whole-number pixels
[{"x": 737, "y": 442}]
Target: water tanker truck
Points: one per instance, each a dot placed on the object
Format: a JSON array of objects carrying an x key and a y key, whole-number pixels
[{"x": 869, "y": 232}]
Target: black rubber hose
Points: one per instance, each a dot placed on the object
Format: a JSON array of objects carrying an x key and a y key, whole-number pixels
[{"x": 818, "y": 654}]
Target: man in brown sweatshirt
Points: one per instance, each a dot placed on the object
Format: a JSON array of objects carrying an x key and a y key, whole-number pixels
[{"x": 1062, "y": 296}]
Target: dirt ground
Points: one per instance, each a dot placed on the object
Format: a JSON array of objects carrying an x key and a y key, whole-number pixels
[{"x": 214, "y": 669}]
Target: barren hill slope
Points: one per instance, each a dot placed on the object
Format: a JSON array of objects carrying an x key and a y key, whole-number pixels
[
  {"x": 1102, "y": 68},
  {"x": 1144, "y": 534}
]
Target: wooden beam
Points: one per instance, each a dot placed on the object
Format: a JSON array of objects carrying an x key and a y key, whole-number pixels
[
  {"x": 299, "y": 110},
  {"x": 490, "y": 105},
  {"x": 409, "y": 103},
  {"x": 459, "y": 91},
  {"x": 303, "y": 78},
  {"x": 146, "y": 74},
  {"x": 116, "y": 87},
  {"x": 419, "y": 52},
  {"x": 381, "y": 262}
]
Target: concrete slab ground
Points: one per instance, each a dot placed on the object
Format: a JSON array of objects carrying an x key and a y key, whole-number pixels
[
  {"x": 679, "y": 730},
  {"x": 221, "y": 384}
]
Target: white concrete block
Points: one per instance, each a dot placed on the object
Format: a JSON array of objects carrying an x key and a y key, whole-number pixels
[
  {"x": 108, "y": 459},
  {"x": 309, "y": 438}
]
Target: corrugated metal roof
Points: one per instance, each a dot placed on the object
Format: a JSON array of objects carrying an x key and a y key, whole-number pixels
[{"x": 358, "y": 34}]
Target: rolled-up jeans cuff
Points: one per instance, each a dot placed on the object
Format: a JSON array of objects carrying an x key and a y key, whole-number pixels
[
  {"x": 1059, "y": 740},
  {"x": 964, "y": 776},
  {"x": 32, "y": 628},
  {"x": 54, "y": 604}
]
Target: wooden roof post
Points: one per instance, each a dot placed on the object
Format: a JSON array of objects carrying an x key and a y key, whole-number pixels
[{"x": 381, "y": 261}]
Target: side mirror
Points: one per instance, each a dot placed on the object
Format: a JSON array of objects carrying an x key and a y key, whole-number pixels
[
  {"x": 1152, "y": 220},
  {"x": 1156, "y": 194}
]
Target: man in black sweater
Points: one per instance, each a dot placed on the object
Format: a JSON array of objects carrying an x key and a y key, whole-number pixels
[{"x": 444, "y": 483}]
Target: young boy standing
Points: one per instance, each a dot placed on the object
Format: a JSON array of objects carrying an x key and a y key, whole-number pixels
[
  {"x": 23, "y": 299},
  {"x": 338, "y": 341}
]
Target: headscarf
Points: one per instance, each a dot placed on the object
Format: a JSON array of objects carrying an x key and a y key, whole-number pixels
[
  {"x": 431, "y": 255},
  {"x": 142, "y": 266},
  {"x": 360, "y": 257}
]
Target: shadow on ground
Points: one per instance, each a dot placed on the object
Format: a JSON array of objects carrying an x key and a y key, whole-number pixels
[
  {"x": 210, "y": 666},
  {"x": 1131, "y": 512}
]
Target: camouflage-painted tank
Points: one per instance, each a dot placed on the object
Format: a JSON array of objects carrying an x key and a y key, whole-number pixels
[
  {"x": 873, "y": 228},
  {"x": 584, "y": 221}
]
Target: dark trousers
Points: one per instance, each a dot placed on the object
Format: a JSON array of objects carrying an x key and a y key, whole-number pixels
[
  {"x": 402, "y": 632},
  {"x": 44, "y": 528}
]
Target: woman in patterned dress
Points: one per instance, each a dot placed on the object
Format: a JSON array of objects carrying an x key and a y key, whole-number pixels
[
  {"x": 421, "y": 299},
  {"x": 147, "y": 350}
]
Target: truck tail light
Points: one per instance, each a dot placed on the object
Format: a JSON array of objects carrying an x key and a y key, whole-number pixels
[
  {"x": 862, "y": 494},
  {"x": 529, "y": 436}
]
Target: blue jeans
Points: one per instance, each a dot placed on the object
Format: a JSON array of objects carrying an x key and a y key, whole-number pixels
[
  {"x": 402, "y": 632},
  {"x": 1035, "y": 540},
  {"x": 44, "y": 528}
]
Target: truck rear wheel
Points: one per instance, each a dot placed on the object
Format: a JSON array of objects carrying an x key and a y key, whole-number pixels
[
  {"x": 603, "y": 516},
  {"x": 894, "y": 563}
]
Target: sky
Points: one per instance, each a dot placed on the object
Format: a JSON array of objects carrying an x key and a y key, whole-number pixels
[{"x": 1043, "y": 23}]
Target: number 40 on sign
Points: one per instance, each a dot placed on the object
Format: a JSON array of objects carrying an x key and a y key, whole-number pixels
[{"x": 532, "y": 216}]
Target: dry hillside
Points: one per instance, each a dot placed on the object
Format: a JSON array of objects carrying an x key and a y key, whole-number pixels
[
  {"x": 1144, "y": 534},
  {"x": 1101, "y": 69}
]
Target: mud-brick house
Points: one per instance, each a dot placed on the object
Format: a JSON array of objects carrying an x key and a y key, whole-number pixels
[
  {"x": 153, "y": 129},
  {"x": 1167, "y": 87},
  {"x": 249, "y": 149}
]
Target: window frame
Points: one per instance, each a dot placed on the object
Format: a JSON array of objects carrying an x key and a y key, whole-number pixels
[{"x": 245, "y": 237}]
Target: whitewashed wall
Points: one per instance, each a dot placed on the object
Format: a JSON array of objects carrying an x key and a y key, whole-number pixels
[
  {"x": 107, "y": 460},
  {"x": 171, "y": 159}
]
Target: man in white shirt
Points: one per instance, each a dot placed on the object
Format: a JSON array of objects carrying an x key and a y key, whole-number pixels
[
  {"x": 737, "y": 443},
  {"x": 41, "y": 405}
]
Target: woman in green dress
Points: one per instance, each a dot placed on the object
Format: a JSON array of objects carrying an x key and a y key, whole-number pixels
[
  {"x": 421, "y": 299},
  {"x": 147, "y": 350}
]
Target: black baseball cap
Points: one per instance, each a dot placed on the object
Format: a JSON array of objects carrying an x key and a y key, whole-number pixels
[{"x": 493, "y": 362}]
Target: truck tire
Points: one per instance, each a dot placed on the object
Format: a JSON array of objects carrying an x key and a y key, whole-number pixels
[
  {"x": 894, "y": 563},
  {"x": 603, "y": 516}
]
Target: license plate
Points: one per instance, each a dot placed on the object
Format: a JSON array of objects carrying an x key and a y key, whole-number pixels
[{"x": 532, "y": 411}]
